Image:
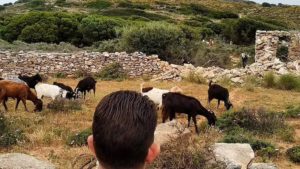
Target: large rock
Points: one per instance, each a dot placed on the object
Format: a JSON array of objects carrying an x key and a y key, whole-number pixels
[
  {"x": 168, "y": 131},
  {"x": 263, "y": 166},
  {"x": 22, "y": 161},
  {"x": 236, "y": 156}
]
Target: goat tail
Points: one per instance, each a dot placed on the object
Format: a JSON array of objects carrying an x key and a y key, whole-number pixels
[
  {"x": 210, "y": 82},
  {"x": 141, "y": 86}
]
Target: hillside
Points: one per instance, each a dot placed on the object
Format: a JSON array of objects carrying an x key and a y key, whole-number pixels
[{"x": 103, "y": 25}]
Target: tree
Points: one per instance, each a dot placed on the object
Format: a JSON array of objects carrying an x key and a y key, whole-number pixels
[{"x": 95, "y": 29}]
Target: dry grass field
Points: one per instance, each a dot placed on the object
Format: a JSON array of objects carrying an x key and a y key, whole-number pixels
[{"x": 47, "y": 131}]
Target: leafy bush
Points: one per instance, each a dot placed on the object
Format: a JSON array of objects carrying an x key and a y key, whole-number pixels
[
  {"x": 185, "y": 153},
  {"x": 269, "y": 80},
  {"x": 42, "y": 27},
  {"x": 217, "y": 55},
  {"x": 2, "y": 7},
  {"x": 288, "y": 82},
  {"x": 95, "y": 28},
  {"x": 9, "y": 135},
  {"x": 250, "y": 83},
  {"x": 64, "y": 105},
  {"x": 60, "y": 75},
  {"x": 79, "y": 139},
  {"x": 195, "y": 78},
  {"x": 255, "y": 120},
  {"x": 293, "y": 112},
  {"x": 126, "y": 13},
  {"x": 128, "y": 4},
  {"x": 242, "y": 31},
  {"x": 99, "y": 4},
  {"x": 294, "y": 154},
  {"x": 170, "y": 42},
  {"x": 113, "y": 71}
]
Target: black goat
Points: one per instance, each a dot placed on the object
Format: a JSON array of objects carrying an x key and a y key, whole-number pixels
[
  {"x": 63, "y": 86},
  {"x": 177, "y": 102},
  {"x": 31, "y": 81},
  {"x": 85, "y": 85},
  {"x": 218, "y": 92}
]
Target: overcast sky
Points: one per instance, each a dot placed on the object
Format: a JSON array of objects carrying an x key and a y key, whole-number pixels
[{"x": 291, "y": 2}]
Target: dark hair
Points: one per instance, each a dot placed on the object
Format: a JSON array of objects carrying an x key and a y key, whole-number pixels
[{"x": 123, "y": 129}]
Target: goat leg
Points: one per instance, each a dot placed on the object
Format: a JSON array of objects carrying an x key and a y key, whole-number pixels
[
  {"x": 189, "y": 119},
  {"x": 195, "y": 122},
  {"x": 4, "y": 104},
  {"x": 24, "y": 102},
  {"x": 17, "y": 104}
]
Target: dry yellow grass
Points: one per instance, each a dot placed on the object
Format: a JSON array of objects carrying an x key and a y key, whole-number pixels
[{"x": 47, "y": 131}]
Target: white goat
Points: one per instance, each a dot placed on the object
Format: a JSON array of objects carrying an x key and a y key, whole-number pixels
[
  {"x": 49, "y": 90},
  {"x": 155, "y": 94}
]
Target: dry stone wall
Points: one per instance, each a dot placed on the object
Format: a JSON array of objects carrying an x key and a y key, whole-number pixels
[{"x": 135, "y": 64}]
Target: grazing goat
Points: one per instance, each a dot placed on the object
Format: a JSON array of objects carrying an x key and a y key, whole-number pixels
[
  {"x": 63, "y": 86},
  {"x": 31, "y": 81},
  {"x": 21, "y": 92},
  {"x": 52, "y": 91},
  {"x": 218, "y": 92},
  {"x": 85, "y": 85},
  {"x": 155, "y": 94},
  {"x": 177, "y": 102}
]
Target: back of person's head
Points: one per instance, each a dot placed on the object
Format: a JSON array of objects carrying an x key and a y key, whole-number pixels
[{"x": 123, "y": 131}]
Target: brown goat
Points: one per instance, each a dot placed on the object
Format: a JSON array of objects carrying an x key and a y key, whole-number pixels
[{"x": 21, "y": 92}]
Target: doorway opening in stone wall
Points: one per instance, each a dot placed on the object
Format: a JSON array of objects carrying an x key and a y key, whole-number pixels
[{"x": 283, "y": 48}]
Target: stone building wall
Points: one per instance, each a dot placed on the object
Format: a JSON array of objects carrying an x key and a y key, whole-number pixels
[
  {"x": 267, "y": 43},
  {"x": 136, "y": 64}
]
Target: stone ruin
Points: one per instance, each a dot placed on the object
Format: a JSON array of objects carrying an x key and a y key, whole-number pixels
[{"x": 269, "y": 43}]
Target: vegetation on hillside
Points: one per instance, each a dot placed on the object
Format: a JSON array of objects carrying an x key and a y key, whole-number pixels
[{"x": 176, "y": 31}]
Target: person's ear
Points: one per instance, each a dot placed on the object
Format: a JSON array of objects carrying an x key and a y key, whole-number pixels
[
  {"x": 90, "y": 142},
  {"x": 153, "y": 152}
]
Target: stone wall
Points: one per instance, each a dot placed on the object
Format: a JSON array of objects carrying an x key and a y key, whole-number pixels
[
  {"x": 136, "y": 64},
  {"x": 267, "y": 43}
]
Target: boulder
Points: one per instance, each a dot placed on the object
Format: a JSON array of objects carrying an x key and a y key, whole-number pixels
[
  {"x": 263, "y": 166},
  {"x": 168, "y": 131},
  {"x": 236, "y": 156},
  {"x": 22, "y": 161}
]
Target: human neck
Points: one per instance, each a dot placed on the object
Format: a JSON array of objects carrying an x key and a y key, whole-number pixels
[{"x": 99, "y": 166}]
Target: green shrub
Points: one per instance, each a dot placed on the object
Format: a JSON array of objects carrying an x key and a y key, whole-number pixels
[
  {"x": 126, "y": 13},
  {"x": 288, "y": 82},
  {"x": 60, "y": 75},
  {"x": 99, "y": 4},
  {"x": 250, "y": 83},
  {"x": 294, "y": 154},
  {"x": 195, "y": 78},
  {"x": 112, "y": 45},
  {"x": 242, "y": 31},
  {"x": 255, "y": 120},
  {"x": 113, "y": 71},
  {"x": 79, "y": 139},
  {"x": 184, "y": 152},
  {"x": 94, "y": 28},
  {"x": 2, "y": 7},
  {"x": 9, "y": 135},
  {"x": 177, "y": 44},
  {"x": 64, "y": 105},
  {"x": 128, "y": 4},
  {"x": 293, "y": 112},
  {"x": 269, "y": 80}
]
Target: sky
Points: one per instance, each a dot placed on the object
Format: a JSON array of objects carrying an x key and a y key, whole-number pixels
[{"x": 291, "y": 2}]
